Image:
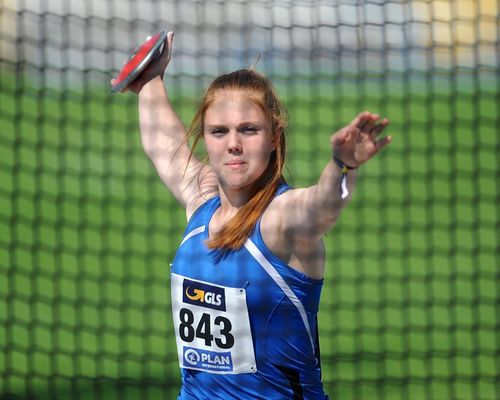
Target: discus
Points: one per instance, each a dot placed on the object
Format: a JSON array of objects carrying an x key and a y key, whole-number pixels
[{"x": 137, "y": 62}]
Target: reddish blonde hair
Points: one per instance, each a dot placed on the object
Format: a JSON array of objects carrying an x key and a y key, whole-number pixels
[{"x": 263, "y": 94}]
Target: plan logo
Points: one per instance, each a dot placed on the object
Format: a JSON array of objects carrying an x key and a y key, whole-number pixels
[
  {"x": 207, "y": 360},
  {"x": 192, "y": 356},
  {"x": 204, "y": 295}
]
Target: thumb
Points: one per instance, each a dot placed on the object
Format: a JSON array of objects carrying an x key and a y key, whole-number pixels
[
  {"x": 339, "y": 138},
  {"x": 169, "y": 42},
  {"x": 166, "y": 50}
]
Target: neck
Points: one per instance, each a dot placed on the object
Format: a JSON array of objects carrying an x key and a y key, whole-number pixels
[{"x": 232, "y": 200}]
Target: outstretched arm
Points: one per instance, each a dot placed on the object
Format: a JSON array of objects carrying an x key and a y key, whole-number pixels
[
  {"x": 312, "y": 211},
  {"x": 163, "y": 137}
]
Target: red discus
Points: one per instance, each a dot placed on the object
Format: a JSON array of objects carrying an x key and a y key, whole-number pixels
[{"x": 138, "y": 61}]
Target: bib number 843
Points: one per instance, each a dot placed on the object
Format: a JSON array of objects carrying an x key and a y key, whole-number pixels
[{"x": 203, "y": 329}]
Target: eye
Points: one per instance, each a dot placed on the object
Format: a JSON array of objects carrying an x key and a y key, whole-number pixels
[
  {"x": 249, "y": 129},
  {"x": 217, "y": 132}
]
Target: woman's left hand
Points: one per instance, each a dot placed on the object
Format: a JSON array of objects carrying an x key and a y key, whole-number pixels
[{"x": 358, "y": 142}]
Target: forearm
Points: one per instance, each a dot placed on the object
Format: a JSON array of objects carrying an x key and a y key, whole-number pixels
[
  {"x": 352, "y": 146},
  {"x": 162, "y": 132},
  {"x": 331, "y": 194},
  {"x": 312, "y": 211}
]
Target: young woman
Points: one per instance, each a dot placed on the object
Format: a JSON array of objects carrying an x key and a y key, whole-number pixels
[{"x": 247, "y": 277}]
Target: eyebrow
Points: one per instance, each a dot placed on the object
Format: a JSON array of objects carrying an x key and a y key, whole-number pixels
[
  {"x": 215, "y": 126},
  {"x": 245, "y": 123}
]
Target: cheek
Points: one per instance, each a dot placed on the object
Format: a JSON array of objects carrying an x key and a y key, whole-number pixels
[
  {"x": 269, "y": 147},
  {"x": 264, "y": 156},
  {"x": 211, "y": 149}
]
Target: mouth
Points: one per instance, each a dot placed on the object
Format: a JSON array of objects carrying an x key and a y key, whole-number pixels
[{"x": 235, "y": 164}]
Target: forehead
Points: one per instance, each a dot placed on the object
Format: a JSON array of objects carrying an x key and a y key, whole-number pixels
[{"x": 228, "y": 105}]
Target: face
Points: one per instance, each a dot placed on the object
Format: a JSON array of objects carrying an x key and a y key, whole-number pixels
[{"x": 238, "y": 139}]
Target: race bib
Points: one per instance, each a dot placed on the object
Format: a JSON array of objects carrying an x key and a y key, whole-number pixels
[{"x": 212, "y": 328}]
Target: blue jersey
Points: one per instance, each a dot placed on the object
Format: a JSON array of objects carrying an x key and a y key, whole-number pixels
[{"x": 245, "y": 323}]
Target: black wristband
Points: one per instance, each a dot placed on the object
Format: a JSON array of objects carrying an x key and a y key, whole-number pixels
[{"x": 342, "y": 165}]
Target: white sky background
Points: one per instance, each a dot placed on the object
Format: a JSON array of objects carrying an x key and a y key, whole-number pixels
[{"x": 64, "y": 37}]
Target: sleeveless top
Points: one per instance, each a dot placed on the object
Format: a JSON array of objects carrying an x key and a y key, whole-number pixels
[{"x": 246, "y": 322}]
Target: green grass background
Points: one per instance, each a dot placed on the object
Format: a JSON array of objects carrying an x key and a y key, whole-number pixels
[{"x": 410, "y": 302}]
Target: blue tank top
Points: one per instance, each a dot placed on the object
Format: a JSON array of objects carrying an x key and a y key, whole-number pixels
[{"x": 276, "y": 319}]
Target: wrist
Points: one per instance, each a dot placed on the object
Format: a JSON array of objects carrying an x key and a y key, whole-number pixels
[
  {"x": 342, "y": 165},
  {"x": 344, "y": 169},
  {"x": 150, "y": 85}
]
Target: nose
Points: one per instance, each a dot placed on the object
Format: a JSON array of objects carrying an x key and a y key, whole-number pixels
[{"x": 234, "y": 143}]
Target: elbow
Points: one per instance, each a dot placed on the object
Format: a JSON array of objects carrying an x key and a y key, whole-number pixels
[{"x": 327, "y": 223}]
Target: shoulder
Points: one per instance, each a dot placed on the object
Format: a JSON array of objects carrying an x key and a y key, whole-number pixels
[
  {"x": 274, "y": 221},
  {"x": 199, "y": 202},
  {"x": 285, "y": 202},
  {"x": 283, "y": 211}
]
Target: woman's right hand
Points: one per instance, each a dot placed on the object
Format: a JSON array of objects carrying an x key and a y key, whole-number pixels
[{"x": 156, "y": 68}]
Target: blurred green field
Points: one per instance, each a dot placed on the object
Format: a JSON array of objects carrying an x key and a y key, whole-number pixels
[{"x": 410, "y": 303}]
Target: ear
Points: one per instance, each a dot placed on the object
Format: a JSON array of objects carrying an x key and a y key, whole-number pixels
[
  {"x": 272, "y": 144},
  {"x": 277, "y": 134}
]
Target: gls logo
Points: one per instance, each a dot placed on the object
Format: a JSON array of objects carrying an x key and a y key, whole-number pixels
[
  {"x": 204, "y": 295},
  {"x": 208, "y": 297}
]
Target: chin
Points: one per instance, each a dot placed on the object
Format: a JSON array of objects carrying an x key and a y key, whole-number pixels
[{"x": 237, "y": 183}]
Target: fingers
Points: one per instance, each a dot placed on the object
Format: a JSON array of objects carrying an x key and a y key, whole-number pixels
[
  {"x": 169, "y": 42},
  {"x": 170, "y": 38},
  {"x": 370, "y": 123},
  {"x": 360, "y": 120},
  {"x": 378, "y": 128},
  {"x": 375, "y": 131},
  {"x": 166, "y": 51},
  {"x": 365, "y": 120},
  {"x": 380, "y": 144}
]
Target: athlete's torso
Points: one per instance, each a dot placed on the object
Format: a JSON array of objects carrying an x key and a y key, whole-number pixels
[{"x": 246, "y": 324}]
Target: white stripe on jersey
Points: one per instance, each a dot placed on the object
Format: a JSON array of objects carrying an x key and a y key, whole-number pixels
[
  {"x": 275, "y": 275},
  {"x": 194, "y": 232}
]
